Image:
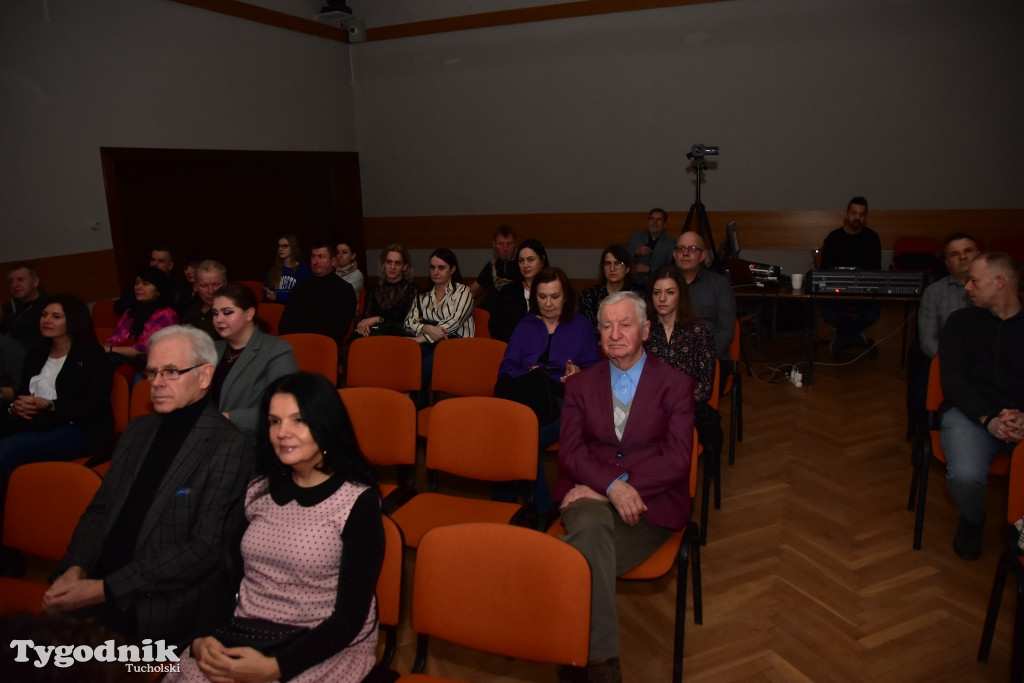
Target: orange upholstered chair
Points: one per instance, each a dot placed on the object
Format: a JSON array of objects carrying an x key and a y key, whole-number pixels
[
  {"x": 475, "y": 437},
  {"x": 500, "y": 589},
  {"x": 389, "y": 587},
  {"x": 463, "y": 367},
  {"x": 386, "y": 362},
  {"x": 44, "y": 502},
  {"x": 269, "y": 314},
  {"x": 315, "y": 353}
]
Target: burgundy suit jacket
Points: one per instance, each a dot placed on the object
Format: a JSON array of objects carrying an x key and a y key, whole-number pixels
[{"x": 656, "y": 444}]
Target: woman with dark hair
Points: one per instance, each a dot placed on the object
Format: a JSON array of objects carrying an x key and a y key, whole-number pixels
[
  {"x": 445, "y": 311},
  {"x": 287, "y": 270},
  {"x": 513, "y": 301},
  {"x": 312, "y": 550},
  {"x": 679, "y": 338},
  {"x": 152, "y": 310},
  {"x": 248, "y": 359},
  {"x": 62, "y": 409},
  {"x": 347, "y": 267},
  {"x": 614, "y": 274},
  {"x": 549, "y": 345},
  {"x": 389, "y": 301}
]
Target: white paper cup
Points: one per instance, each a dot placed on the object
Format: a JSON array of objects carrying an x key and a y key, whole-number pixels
[{"x": 797, "y": 280}]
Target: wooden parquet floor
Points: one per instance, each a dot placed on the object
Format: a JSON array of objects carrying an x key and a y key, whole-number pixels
[{"x": 809, "y": 574}]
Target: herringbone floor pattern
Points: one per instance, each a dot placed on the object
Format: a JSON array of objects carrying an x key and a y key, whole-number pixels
[{"x": 809, "y": 573}]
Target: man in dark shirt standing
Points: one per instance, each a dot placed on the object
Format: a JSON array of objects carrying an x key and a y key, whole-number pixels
[
  {"x": 982, "y": 369},
  {"x": 323, "y": 304},
  {"x": 854, "y": 245}
]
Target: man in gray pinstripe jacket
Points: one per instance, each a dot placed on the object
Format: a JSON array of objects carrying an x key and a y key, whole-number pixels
[{"x": 150, "y": 545}]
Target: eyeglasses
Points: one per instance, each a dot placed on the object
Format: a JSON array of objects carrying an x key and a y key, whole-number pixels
[
  {"x": 171, "y": 374},
  {"x": 614, "y": 264},
  {"x": 693, "y": 249}
]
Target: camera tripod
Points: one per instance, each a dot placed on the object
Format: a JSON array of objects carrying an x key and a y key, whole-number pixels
[{"x": 698, "y": 209}]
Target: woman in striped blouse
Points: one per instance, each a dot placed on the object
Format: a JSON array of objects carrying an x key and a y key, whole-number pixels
[{"x": 445, "y": 311}]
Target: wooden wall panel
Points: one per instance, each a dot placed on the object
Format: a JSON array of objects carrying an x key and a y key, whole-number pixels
[
  {"x": 91, "y": 276},
  {"x": 783, "y": 230}
]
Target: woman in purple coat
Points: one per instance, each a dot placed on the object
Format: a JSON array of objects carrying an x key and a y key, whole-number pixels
[{"x": 557, "y": 342}]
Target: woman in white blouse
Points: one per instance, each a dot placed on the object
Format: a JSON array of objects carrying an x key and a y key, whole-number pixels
[{"x": 445, "y": 311}]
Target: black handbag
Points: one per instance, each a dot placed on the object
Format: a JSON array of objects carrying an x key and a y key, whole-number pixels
[
  {"x": 533, "y": 389},
  {"x": 264, "y": 636}
]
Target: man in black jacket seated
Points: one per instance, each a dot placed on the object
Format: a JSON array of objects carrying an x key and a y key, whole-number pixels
[{"x": 150, "y": 545}]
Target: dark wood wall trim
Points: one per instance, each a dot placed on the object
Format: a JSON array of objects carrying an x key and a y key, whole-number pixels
[
  {"x": 525, "y": 15},
  {"x": 91, "y": 275},
  {"x": 785, "y": 230},
  {"x": 261, "y": 15}
]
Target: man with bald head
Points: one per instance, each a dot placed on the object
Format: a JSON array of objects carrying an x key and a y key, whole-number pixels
[
  {"x": 710, "y": 292},
  {"x": 982, "y": 369}
]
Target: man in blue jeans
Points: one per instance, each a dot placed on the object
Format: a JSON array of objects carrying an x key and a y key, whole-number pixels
[{"x": 982, "y": 369}]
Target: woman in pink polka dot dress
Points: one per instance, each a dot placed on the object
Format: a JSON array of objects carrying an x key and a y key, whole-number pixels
[{"x": 312, "y": 550}]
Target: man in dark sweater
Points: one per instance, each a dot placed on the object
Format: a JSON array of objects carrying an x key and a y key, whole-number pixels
[
  {"x": 323, "y": 304},
  {"x": 982, "y": 368},
  {"x": 148, "y": 550},
  {"x": 854, "y": 245}
]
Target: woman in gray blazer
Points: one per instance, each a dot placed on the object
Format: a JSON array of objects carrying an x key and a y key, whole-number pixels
[{"x": 249, "y": 360}]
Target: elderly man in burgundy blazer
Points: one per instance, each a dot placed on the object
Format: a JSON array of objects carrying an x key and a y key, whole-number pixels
[{"x": 625, "y": 445}]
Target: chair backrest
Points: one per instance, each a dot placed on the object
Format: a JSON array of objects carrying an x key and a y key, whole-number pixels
[
  {"x": 485, "y": 438},
  {"x": 1015, "y": 501},
  {"x": 503, "y": 589},
  {"x": 120, "y": 402},
  {"x": 315, "y": 353},
  {"x": 270, "y": 313},
  {"x": 481, "y": 320},
  {"x": 140, "y": 403},
  {"x": 104, "y": 319},
  {"x": 254, "y": 286},
  {"x": 385, "y": 424},
  {"x": 934, "y": 398},
  {"x": 467, "y": 367},
  {"x": 389, "y": 582},
  {"x": 386, "y": 362},
  {"x": 44, "y": 502}
]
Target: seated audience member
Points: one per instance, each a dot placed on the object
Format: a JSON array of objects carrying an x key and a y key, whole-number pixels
[
  {"x": 625, "y": 447},
  {"x": 982, "y": 372},
  {"x": 248, "y": 359},
  {"x": 160, "y": 257},
  {"x": 62, "y": 409},
  {"x": 947, "y": 294},
  {"x": 389, "y": 301},
  {"x": 501, "y": 270},
  {"x": 347, "y": 268},
  {"x": 152, "y": 310},
  {"x": 312, "y": 550},
  {"x": 710, "y": 292},
  {"x": 324, "y": 303},
  {"x": 210, "y": 276},
  {"x": 445, "y": 311},
  {"x": 187, "y": 294},
  {"x": 614, "y": 274},
  {"x": 150, "y": 546},
  {"x": 549, "y": 345},
  {"x": 287, "y": 271},
  {"x": 854, "y": 245},
  {"x": 680, "y": 339},
  {"x": 513, "y": 301},
  {"x": 650, "y": 249},
  {"x": 21, "y": 314}
]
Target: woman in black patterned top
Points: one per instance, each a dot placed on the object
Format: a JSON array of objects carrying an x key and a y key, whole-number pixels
[
  {"x": 390, "y": 300},
  {"x": 614, "y": 274},
  {"x": 679, "y": 338}
]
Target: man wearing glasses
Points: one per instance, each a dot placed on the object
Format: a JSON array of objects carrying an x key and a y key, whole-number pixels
[
  {"x": 149, "y": 548},
  {"x": 710, "y": 292},
  {"x": 652, "y": 248}
]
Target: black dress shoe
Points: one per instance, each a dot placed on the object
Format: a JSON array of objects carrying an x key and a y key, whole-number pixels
[{"x": 968, "y": 540}]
